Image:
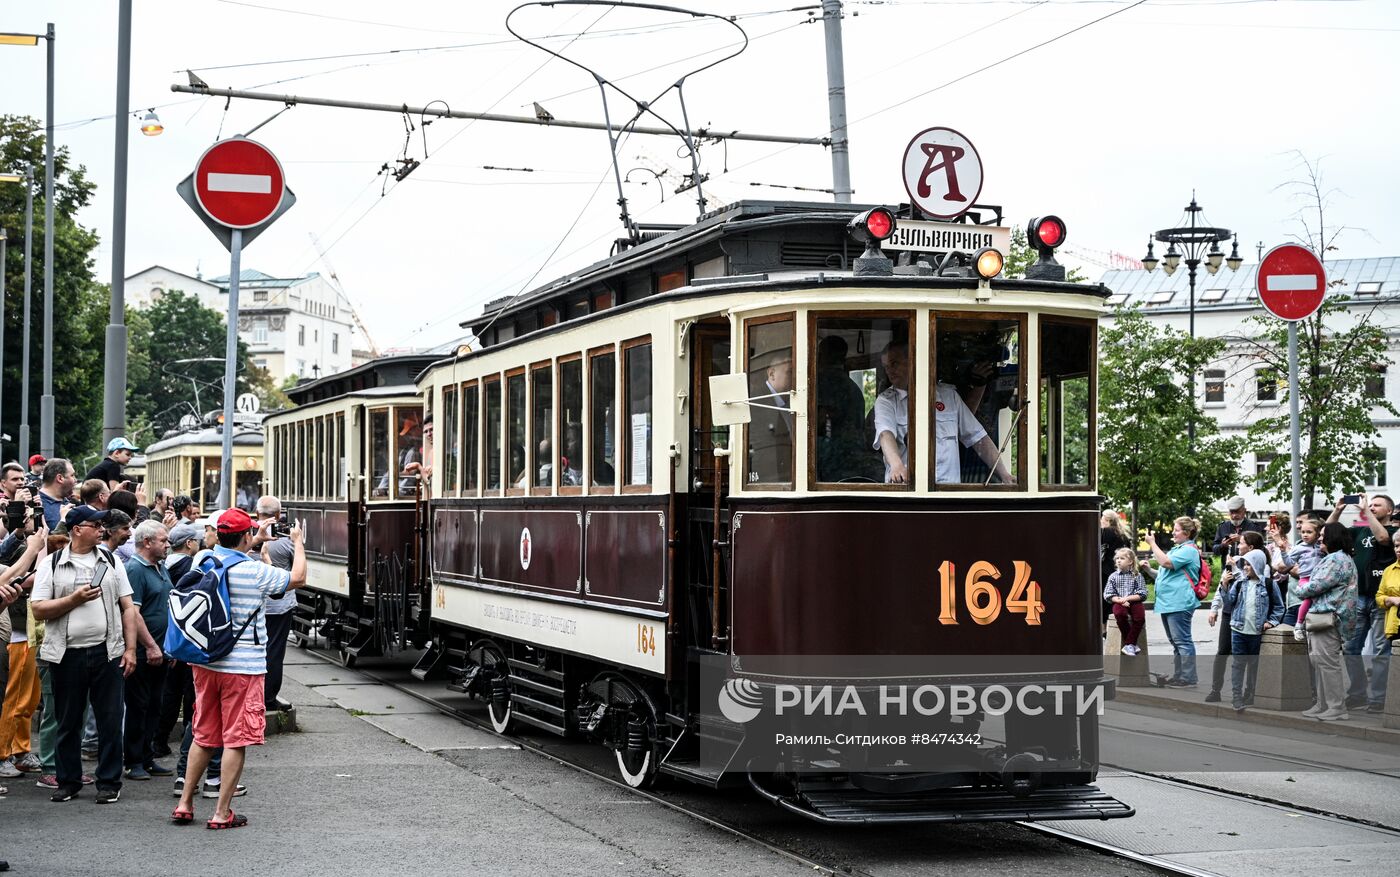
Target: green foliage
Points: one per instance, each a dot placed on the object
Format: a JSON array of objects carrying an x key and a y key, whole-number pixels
[
  {"x": 1145, "y": 457},
  {"x": 80, "y": 303},
  {"x": 1335, "y": 402},
  {"x": 176, "y": 364}
]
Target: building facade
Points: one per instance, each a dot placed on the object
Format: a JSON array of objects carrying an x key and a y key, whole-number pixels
[
  {"x": 295, "y": 327},
  {"x": 1238, "y": 388}
]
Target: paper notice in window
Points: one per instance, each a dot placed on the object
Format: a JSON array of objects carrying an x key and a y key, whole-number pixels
[{"x": 641, "y": 443}]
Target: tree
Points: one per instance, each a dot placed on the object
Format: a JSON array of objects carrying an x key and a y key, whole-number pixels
[
  {"x": 80, "y": 302},
  {"x": 1339, "y": 372},
  {"x": 1145, "y": 457},
  {"x": 176, "y": 364}
]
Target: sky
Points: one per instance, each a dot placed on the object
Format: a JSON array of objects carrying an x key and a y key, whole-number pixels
[{"x": 1108, "y": 113}]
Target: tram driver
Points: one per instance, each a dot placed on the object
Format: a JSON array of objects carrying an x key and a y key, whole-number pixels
[{"x": 954, "y": 424}]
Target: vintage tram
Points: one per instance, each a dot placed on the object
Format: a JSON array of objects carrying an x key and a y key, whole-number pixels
[
  {"x": 745, "y": 439},
  {"x": 342, "y": 461},
  {"x": 189, "y": 462}
]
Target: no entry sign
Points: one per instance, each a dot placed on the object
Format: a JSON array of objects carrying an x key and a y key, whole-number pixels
[
  {"x": 1291, "y": 282},
  {"x": 239, "y": 183}
]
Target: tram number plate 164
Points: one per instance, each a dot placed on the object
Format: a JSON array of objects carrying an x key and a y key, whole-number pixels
[
  {"x": 646, "y": 639},
  {"x": 981, "y": 595}
]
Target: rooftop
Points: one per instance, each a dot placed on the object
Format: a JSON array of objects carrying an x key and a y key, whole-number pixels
[{"x": 1364, "y": 280}]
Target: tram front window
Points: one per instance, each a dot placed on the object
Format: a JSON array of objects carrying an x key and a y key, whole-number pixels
[
  {"x": 1066, "y": 402},
  {"x": 847, "y": 381},
  {"x": 771, "y": 382},
  {"x": 978, "y": 401},
  {"x": 410, "y": 433},
  {"x": 379, "y": 452}
]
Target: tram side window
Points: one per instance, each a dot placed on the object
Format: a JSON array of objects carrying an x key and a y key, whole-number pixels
[
  {"x": 379, "y": 453},
  {"x": 771, "y": 427},
  {"x": 977, "y": 401},
  {"x": 1066, "y": 403},
  {"x": 515, "y": 431},
  {"x": 602, "y": 420},
  {"x": 298, "y": 458},
  {"x": 493, "y": 434},
  {"x": 571, "y": 423},
  {"x": 319, "y": 459},
  {"x": 845, "y": 445},
  {"x": 450, "y": 427},
  {"x": 471, "y": 423},
  {"x": 541, "y": 426},
  {"x": 342, "y": 454},
  {"x": 408, "y": 448},
  {"x": 637, "y": 415}
]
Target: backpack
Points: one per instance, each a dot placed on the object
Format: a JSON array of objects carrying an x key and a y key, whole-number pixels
[
  {"x": 201, "y": 627},
  {"x": 1202, "y": 585}
]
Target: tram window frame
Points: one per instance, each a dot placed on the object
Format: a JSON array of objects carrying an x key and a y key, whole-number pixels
[
  {"x": 298, "y": 460},
  {"x": 308, "y": 460},
  {"x": 534, "y": 461},
  {"x": 397, "y": 444},
  {"x": 789, "y": 317},
  {"x": 813, "y": 317},
  {"x": 1022, "y": 319},
  {"x": 595, "y": 355},
  {"x": 488, "y": 384},
  {"x": 508, "y": 478},
  {"x": 451, "y": 453},
  {"x": 1092, "y": 476},
  {"x": 320, "y": 458},
  {"x": 371, "y": 493},
  {"x": 569, "y": 361},
  {"x": 342, "y": 457},
  {"x": 470, "y": 451},
  {"x": 626, "y": 349}
]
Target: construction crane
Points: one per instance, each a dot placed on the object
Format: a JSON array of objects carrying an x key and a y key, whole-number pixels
[{"x": 354, "y": 313}]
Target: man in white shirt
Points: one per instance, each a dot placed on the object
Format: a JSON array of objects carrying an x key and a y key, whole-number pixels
[
  {"x": 90, "y": 643},
  {"x": 954, "y": 423}
]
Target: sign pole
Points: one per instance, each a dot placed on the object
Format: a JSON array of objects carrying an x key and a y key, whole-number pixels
[
  {"x": 226, "y": 485},
  {"x": 1293, "y": 427}
]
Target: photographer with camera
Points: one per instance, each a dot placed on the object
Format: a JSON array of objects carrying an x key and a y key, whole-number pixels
[
  {"x": 277, "y": 552},
  {"x": 119, "y": 453},
  {"x": 15, "y": 497}
]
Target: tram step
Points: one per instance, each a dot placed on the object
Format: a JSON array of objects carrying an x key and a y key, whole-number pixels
[
  {"x": 849, "y": 806},
  {"x": 430, "y": 665},
  {"x": 695, "y": 772}
]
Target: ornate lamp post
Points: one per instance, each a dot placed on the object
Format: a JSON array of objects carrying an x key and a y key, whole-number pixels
[{"x": 1193, "y": 237}]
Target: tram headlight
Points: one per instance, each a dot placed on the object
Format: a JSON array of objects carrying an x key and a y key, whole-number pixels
[
  {"x": 870, "y": 228},
  {"x": 989, "y": 262},
  {"x": 1046, "y": 234}
]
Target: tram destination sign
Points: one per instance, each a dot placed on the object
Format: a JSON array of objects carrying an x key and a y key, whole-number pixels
[{"x": 942, "y": 237}]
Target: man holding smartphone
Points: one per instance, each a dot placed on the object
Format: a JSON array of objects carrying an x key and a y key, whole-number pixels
[
  {"x": 90, "y": 643},
  {"x": 1372, "y": 538}
]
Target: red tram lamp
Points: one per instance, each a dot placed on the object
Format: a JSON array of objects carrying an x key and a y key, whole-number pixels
[
  {"x": 870, "y": 228},
  {"x": 1046, "y": 234}
]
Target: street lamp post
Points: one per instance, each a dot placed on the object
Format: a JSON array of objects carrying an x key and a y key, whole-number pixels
[
  {"x": 114, "y": 366},
  {"x": 1193, "y": 237},
  {"x": 46, "y": 400}
]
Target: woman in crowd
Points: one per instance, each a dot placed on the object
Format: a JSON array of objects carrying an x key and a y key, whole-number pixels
[
  {"x": 1176, "y": 599},
  {"x": 1332, "y": 610},
  {"x": 1113, "y": 535}
]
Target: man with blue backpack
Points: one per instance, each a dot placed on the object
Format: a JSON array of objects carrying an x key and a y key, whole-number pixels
[{"x": 217, "y": 626}]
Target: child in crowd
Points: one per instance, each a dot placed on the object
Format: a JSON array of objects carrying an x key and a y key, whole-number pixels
[
  {"x": 1253, "y": 603},
  {"x": 1301, "y": 561},
  {"x": 1125, "y": 591}
]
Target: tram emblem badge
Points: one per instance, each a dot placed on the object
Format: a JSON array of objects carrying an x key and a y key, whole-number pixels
[
  {"x": 942, "y": 173},
  {"x": 525, "y": 548}
]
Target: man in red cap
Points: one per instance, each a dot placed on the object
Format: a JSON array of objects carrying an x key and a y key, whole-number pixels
[{"x": 229, "y": 709}]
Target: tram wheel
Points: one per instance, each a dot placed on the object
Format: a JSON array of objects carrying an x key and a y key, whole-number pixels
[
  {"x": 635, "y": 751},
  {"x": 499, "y": 707}
]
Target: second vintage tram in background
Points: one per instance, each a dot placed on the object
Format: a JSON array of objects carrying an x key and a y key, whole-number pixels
[{"x": 901, "y": 463}]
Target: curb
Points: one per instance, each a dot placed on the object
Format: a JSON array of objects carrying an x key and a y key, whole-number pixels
[
  {"x": 1257, "y": 716},
  {"x": 281, "y": 722}
]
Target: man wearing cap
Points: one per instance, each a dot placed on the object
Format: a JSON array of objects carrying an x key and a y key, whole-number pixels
[
  {"x": 1228, "y": 538},
  {"x": 229, "y": 710},
  {"x": 119, "y": 452},
  {"x": 770, "y": 428},
  {"x": 90, "y": 641}
]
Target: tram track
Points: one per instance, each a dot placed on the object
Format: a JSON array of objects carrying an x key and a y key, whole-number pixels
[{"x": 553, "y": 753}]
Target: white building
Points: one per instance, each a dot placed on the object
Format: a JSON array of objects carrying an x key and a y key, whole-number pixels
[
  {"x": 300, "y": 327},
  {"x": 1237, "y": 389}
]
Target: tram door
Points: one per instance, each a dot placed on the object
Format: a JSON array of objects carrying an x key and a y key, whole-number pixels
[{"x": 705, "y": 572}]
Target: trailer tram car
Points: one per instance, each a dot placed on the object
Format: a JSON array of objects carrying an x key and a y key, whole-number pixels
[
  {"x": 341, "y": 462},
  {"x": 599, "y": 527}
]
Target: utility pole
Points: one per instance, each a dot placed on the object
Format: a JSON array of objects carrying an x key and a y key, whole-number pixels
[
  {"x": 114, "y": 365},
  {"x": 46, "y": 400},
  {"x": 4, "y": 239},
  {"x": 836, "y": 102},
  {"x": 28, "y": 311}
]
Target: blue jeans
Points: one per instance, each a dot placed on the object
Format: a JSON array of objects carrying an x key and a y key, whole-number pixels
[
  {"x": 1245, "y": 666},
  {"x": 1370, "y": 620},
  {"x": 216, "y": 759},
  {"x": 1178, "y": 627}
]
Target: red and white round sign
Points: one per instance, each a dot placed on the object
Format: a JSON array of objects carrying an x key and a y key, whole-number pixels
[
  {"x": 942, "y": 173},
  {"x": 525, "y": 549},
  {"x": 239, "y": 183},
  {"x": 1291, "y": 282}
]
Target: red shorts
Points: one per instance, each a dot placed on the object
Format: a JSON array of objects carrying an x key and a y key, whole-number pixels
[{"x": 228, "y": 709}]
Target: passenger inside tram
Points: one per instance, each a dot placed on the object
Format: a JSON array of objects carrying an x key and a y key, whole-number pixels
[
  {"x": 771, "y": 427},
  {"x": 842, "y": 453}
]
